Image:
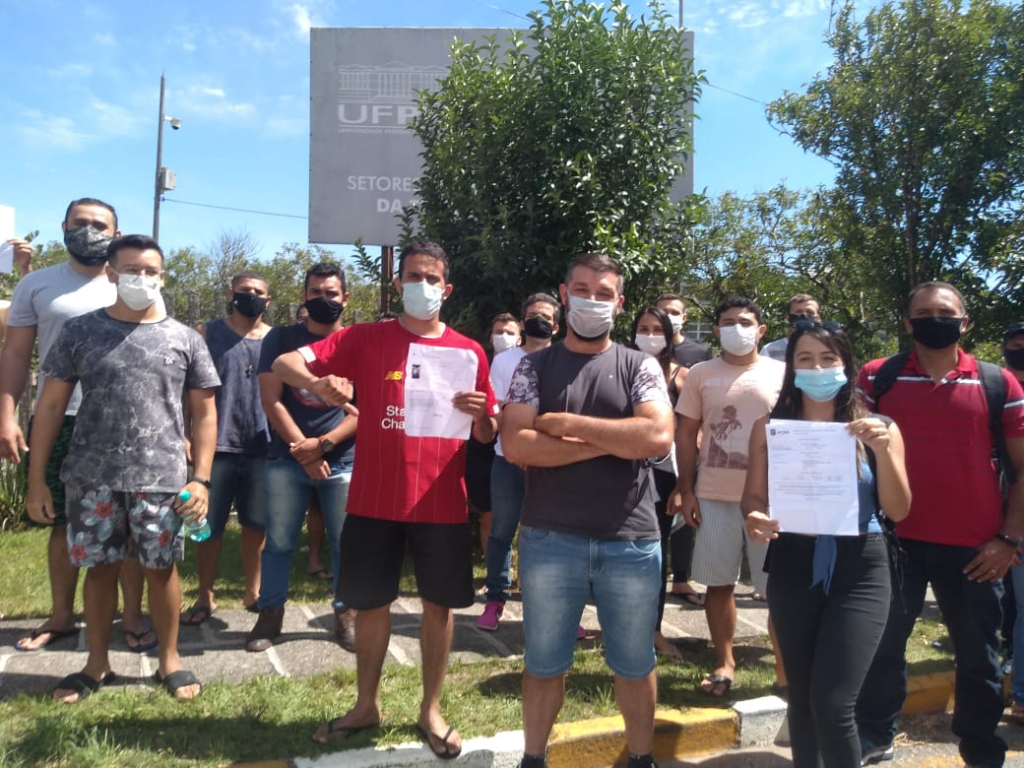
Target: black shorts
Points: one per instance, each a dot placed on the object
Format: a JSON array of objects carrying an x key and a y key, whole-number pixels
[
  {"x": 53, "y": 481},
  {"x": 372, "y": 552},
  {"x": 478, "y": 481}
]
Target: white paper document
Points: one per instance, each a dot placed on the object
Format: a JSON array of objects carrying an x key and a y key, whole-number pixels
[
  {"x": 812, "y": 477},
  {"x": 433, "y": 375},
  {"x": 6, "y": 233}
]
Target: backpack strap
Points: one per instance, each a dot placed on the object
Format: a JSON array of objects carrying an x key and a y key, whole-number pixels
[
  {"x": 887, "y": 374},
  {"x": 994, "y": 384}
]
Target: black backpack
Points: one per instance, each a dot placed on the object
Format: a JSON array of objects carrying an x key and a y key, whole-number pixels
[{"x": 992, "y": 382}]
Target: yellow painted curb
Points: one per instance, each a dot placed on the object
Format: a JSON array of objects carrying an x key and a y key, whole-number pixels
[
  {"x": 264, "y": 764},
  {"x": 929, "y": 693},
  {"x": 677, "y": 734}
]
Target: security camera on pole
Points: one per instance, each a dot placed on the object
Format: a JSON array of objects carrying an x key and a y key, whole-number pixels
[{"x": 165, "y": 179}]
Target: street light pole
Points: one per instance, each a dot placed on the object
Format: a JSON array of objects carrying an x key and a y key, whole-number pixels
[{"x": 157, "y": 180}]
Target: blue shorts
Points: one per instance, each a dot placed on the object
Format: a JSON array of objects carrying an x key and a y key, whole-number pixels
[
  {"x": 559, "y": 573},
  {"x": 241, "y": 480}
]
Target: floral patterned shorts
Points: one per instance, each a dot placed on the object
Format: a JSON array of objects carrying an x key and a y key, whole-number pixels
[{"x": 105, "y": 526}]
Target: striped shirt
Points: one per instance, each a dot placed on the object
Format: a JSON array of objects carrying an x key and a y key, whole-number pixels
[{"x": 955, "y": 489}]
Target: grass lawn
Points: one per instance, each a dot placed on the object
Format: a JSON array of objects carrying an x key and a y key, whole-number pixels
[{"x": 268, "y": 718}]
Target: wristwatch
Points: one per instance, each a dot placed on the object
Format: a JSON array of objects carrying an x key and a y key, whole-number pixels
[
  {"x": 201, "y": 481},
  {"x": 326, "y": 445}
]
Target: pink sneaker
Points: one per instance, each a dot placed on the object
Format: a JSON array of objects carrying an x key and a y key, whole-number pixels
[
  {"x": 492, "y": 614},
  {"x": 581, "y": 633}
]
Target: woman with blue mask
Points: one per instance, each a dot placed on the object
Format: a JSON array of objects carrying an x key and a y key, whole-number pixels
[
  {"x": 652, "y": 333},
  {"x": 828, "y": 595}
]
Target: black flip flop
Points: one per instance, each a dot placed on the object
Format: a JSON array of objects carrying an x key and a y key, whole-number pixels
[
  {"x": 82, "y": 684},
  {"x": 176, "y": 680},
  {"x": 446, "y": 755},
  {"x": 141, "y": 647},
  {"x": 197, "y": 615},
  {"x": 720, "y": 685},
  {"x": 55, "y": 635},
  {"x": 337, "y": 731}
]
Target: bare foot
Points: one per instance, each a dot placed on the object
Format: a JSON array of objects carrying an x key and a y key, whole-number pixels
[
  {"x": 49, "y": 632},
  {"x": 664, "y": 647},
  {"x": 344, "y": 726},
  {"x": 443, "y": 740}
]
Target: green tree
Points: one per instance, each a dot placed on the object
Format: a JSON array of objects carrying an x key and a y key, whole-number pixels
[
  {"x": 921, "y": 113},
  {"x": 564, "y": 138}
]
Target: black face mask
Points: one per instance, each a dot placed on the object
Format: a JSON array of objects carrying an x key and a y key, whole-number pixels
[
  {"x": 324, "y": 311},
  {"x": 249, "y": 304},
  {"x": 87, "y": 245},
  {"x": 537, "y": 327},
  {"x": 1014, "y": 358},
  {"x": 936, "y": 332}
]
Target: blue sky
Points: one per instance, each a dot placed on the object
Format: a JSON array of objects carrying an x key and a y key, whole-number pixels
[{"x": 80, "y": 99}]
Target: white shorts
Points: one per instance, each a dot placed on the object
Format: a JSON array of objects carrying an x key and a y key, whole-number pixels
[{"x": 719, "y": 545}]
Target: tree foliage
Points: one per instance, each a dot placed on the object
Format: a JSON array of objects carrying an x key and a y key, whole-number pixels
[
  {"x": 564, "y": 138},
  {"x": 922, "y": 113}
]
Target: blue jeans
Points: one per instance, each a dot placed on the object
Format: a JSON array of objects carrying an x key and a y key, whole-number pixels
[
  {"x": 973, "y": 613},
  {"x": 1017, "y": 677},
  {"x": 289, "y": 491},
  {"x": 560, "y": 572},
  {"x": 508, "y": 487},
  {"x": 241, "y": 479}
]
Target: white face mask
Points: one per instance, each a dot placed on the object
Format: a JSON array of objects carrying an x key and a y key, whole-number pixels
[
  {"x": 652, "y": 345},
  {"x": 677, "y": 324},
  {"x": 738, "y": 339},
  {"x": 503, "y": 341},
  {"x": 591, "y": 319},
  {"x": 138, "y": 291},
  {"x": 422, "y": 300}
]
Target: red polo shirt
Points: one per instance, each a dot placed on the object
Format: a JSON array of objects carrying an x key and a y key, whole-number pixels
[
  {"x": 955, "y": 490},
  {"x": 397, "y": 477}
]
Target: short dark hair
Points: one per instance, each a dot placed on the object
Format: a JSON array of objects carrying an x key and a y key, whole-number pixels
[
  {"x": 737, "y": 301},
  {"x": 90, "y": 201},
  {"x": 427, "y": 248},
  {"x": 547, "y": 298},
  {"x": 800, "y": 298},
  {"x": 325, "y": 269},
  {"x": 503, "y": 317},
  {"x": 599, "y": 262},
  {"x": 387, "y": 314},
  {"x": 141, "y": 242},
  {"x": 248, "y": 274},
  {"x": 670, "y": 297},
  {"x": 935, "y": 285}
]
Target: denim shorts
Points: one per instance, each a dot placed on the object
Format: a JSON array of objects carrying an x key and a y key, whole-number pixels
[
  {"x": 560, "y": 572},
  {"x": 240, "y": 480}
]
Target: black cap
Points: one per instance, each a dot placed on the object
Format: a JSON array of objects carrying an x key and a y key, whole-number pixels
[{"x": 1012, "y": 330}]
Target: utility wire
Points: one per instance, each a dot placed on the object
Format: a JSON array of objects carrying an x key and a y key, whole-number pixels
[{"x": 228, "y": 208}]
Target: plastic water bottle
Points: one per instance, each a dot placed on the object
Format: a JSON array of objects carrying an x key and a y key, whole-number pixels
[{"x": 196, "y": 531}]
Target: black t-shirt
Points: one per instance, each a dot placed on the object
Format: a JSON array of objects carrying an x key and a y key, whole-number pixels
[
  {"x": 606, "y": 497},
  {"x": 689, "y": 353}
]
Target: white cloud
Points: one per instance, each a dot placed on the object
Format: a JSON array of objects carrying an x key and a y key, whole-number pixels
[
  {"x": 796, "y": 9},
  {"x": 210, "y": 103},
  {"x": 190, "y": 47},
  {"x": 301, "y": 19},
  {"x": 113, "y": 121},
  {"x": 51, "y": 132},
  {"x": 104, "y": 38},
  {"x": 747, "y": 15},
  {"x": 71, "y": 70}
]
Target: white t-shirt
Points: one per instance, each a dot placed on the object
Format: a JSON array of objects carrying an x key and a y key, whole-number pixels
[
  {"x": 502, "y": 367},
  {"x": 48, "y": 297},
  {"x": 727, "y": 399}
]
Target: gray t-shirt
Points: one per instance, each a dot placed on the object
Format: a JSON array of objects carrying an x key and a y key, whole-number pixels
[
  {"x": 606, "y": 497},
  {"x": 47, "y": 298},
  {"x": 129, "y": 434}
]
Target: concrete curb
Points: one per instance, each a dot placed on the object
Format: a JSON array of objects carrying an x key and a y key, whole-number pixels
[{"x": 598, "y": 743}]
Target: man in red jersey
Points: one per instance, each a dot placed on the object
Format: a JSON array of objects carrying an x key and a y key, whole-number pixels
[{"x": 406, "y": 491}]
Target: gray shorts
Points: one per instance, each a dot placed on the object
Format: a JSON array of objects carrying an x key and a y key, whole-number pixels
[
  {"x": 719, "y": 545},
  {"x": 105, "y": 526}
]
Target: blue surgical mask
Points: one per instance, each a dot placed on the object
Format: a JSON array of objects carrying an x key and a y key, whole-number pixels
[
  {"x": 820, "y": 384},
  {"x": 422, "y": 300}
]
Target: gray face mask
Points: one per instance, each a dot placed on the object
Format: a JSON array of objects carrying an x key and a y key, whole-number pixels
[{"x": 87, "y": 245}]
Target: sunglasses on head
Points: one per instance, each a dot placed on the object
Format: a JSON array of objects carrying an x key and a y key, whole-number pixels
[{"x": 806, "y": 325}]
